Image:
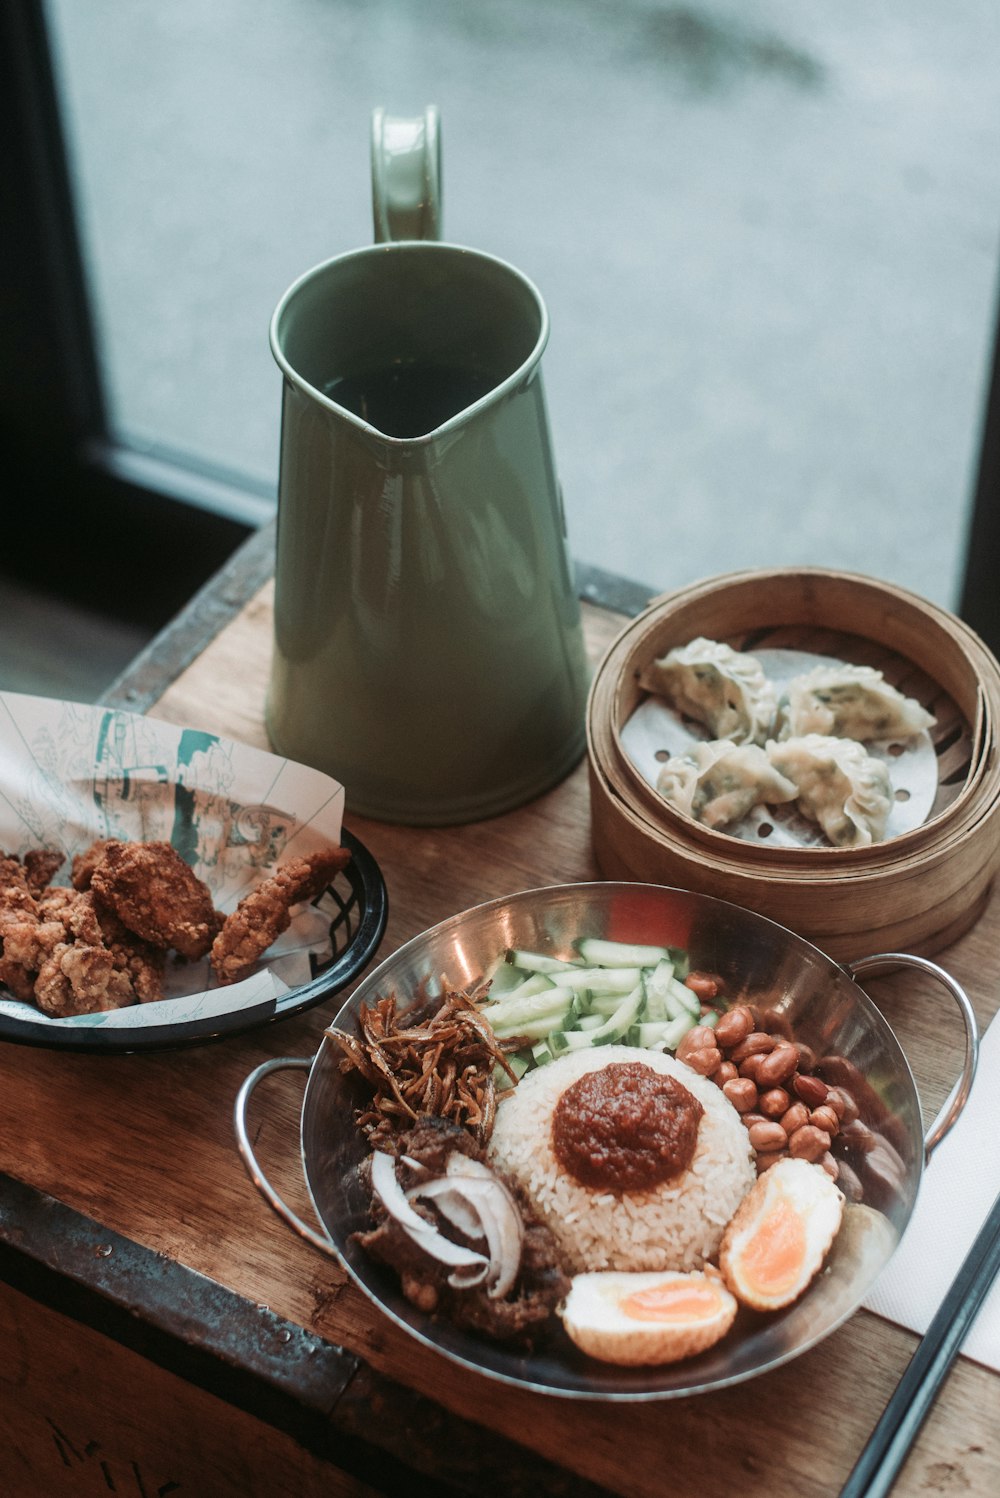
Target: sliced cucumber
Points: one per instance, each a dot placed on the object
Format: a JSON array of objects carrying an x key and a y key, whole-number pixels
[
  {"x": 532, "y": 984},
  {"x": 505, "y": 978},
  {"x": 534, "y": 1016},
  {"x": 539, "y": 1028},
  {"x": 536, "y": 962},
  {"x": 661, "y": 1035},
  {"x": 601, "y": 1003},
  {"x": 614, "y": 1028},
  {"x": 614, "y": 992},
  {"x": 601, "y": 953},
  {"x": 661, "y": 1003},
  {"x": 685, "y": 998},
  {"x": 612, "y": 980}
]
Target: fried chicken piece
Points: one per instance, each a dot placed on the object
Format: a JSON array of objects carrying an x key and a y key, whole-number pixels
[
  {"x": 81, "y": 918},
  {"x": 54, "y": 904},
  {"x": 81, "y": 979},
  {"x": 26, "y": 934},
  {"x": 18, "y": 923},
  {"x": 40, "y": 864},
  {"x": 141, "y": 961},
  {"x": 18, "y": 979},
  {"x": 65, "y": 951},
  {"x": 28, "y": 942},
  {"x": 157, "y": 896},
  {"x": 16, "y": 898},
  {"x": 263, "y": 914},
  {"x": 94, "y": 924},
  {"x": 86, "y": 862}
]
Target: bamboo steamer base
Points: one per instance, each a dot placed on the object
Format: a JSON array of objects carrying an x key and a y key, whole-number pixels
[
  {"x": 841, "y": 925},
  {"x": 917, "y": 892}
]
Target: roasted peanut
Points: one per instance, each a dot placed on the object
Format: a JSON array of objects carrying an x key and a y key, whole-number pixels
[
  {"x": 703, "y": 1059},
  {"x": 696, "y": 1039},
  {"x": 774, "y": 1102},
  {"x": 768, "y": 1135},
  {"x": 734, "y": 1026},
  {"x": 808, "y": 1143},
  {"x": 703, "y": 984},
  {"x": 750, "y": 1066},
  {"x": 830, "y": 1165},
  {"x": 724, "y": 1073},
  {"x": 811, "y": 1090},
  {"x": 778, "y": 1066},
  {"x": 807, "y": 1056},
  {"x": 741, "y": 1092},
  {"x": 757, "y": 1043},
  {"x": 825, "y": 1118},
  {"x": 797, "y": 1115},
  {"x": 753, "y": 1117}
]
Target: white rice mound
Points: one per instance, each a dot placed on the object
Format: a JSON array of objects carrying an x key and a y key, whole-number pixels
[{"x": 675, "y": 1225}]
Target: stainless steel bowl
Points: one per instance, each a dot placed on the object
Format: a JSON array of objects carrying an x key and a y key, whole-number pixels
[{"x": 758, "y": 960}]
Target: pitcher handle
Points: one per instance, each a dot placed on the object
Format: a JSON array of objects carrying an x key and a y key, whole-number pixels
[
  {"x": 960, "y": 1092},
  {"x": 406, "y": 175}
]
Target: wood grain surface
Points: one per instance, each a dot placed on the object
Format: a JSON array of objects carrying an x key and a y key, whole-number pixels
[{"x": 146, "y": 1146}]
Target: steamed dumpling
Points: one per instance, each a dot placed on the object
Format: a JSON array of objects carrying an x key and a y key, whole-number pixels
[
  {"x": 719, "y": 782},
  {"x": 717, "y": 686},
  {"x": 840, "y": 786},
  {"x": 853, "y": 702}
]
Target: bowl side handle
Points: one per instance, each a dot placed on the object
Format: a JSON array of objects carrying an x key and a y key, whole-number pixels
[
  {"x": 256, "y": 1174},
  {"x": 959, "y": 1094}
]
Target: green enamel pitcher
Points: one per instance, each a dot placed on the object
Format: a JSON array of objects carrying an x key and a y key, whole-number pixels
[{"x": 428, "y": 650}]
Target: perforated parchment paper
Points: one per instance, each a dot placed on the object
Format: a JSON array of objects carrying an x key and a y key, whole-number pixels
[
  {"x": 655, "y": 731},
  {"x": 70, "y": 773}
]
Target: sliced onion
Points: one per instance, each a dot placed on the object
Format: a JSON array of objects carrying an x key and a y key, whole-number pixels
[
  {"x": 453, "y": 1204},
  {"x": 504, "y": 1235},
  {"x": 490, "y": 1206},
  {"x": 392, "y": 1196},
  {"x": 423, "y": 1233}
]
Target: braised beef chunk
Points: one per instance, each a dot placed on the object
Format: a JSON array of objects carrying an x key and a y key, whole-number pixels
[
  {"x": 422, "y": 1277},
  {"x": 540, "y": 1286},
  {"x": 422, "y": 1153},
  {"x": 432, "y": 1139}
]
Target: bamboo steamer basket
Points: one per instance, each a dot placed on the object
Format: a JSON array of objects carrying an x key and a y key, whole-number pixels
[{"x": 915, "y": 892}]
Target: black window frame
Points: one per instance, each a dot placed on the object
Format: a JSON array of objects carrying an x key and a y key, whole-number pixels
[
  {"x": 85, "y": 516},
  {"x": 89, "y": 517}
]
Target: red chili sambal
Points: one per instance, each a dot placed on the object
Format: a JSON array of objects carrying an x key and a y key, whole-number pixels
[{"x": 625, "y": 1127}]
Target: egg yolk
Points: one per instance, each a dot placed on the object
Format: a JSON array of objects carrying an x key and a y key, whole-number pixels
[
  {"x": 772, "y": 1258},
  {"x": 675, "y": 1300}
]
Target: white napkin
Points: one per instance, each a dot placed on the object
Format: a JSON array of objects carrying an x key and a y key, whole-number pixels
[{"x": 957, "y": 1191}]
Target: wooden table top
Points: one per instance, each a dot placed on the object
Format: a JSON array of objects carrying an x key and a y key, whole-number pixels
[{"x": 125, "y": 1169}]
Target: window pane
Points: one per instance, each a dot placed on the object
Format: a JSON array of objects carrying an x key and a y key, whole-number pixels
[{"x": 768, "y": 237}]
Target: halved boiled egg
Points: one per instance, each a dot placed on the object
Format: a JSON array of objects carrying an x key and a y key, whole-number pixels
[
  {"x": 780, "y": 1234},
  {"x": 646, "y": 1318}
]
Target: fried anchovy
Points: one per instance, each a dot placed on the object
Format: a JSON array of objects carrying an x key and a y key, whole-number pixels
[{"x": 442, "y": 1063}]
